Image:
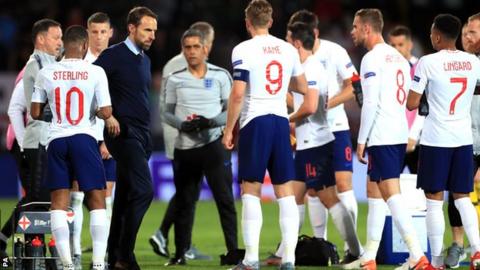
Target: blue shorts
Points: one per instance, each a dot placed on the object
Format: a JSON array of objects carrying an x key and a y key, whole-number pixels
[
  {"x": 445, "y": 168},
  {"x": 385, "y": 161},
  {"x": 314, "y": 166},
  {"x": 110, "y": 169},
  {"x": 75, "y": 157},
  {"x": 342, "y": 151},
  {"x": 264, "y": 144}
]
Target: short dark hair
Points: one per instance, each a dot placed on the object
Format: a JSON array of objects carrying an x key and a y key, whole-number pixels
[
  {"x": 449, "y": 25},
  {"x": 75, "y": 34},
  {"x": 193, "y": 33},
  {"x": 372, "y": 17},
  {"x": 304, "y": 33},
  {"x": 42, "y": 26},
  {"x": 98, "y": 17},
  {"x": 400, "y": 30},
  {"x": 137, "y": 13},
  {"x": 306, "y": 17}
]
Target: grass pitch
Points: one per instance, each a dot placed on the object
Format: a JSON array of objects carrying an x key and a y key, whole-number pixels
[{"x": 207, "y": 235}]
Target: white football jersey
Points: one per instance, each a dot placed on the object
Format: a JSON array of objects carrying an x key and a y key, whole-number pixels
[
  {"x": 449, "y": 79},
  {"x": 99, "y": 123},
  {"x": 385, "y": 79},
  {"x": 339, "y": 67},
  {"x": 74, "y": 89},
  {"x": 313, "y": 131},
  {"x": 270, "y": 63},
  {"x": 89, "y": 57}
]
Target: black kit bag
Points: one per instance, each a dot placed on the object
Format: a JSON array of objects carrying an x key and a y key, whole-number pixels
[{"x": 315, "y": 251}]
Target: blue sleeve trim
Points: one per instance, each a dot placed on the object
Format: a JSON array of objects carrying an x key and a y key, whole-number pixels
[
  {"x": 238, "y": 62},
  {"x": 241, "y": 75},
  {"x": 369, "y": 74}
]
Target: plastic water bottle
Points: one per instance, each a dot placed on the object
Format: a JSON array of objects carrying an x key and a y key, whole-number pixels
[
  {"x": 18, "y": 248},
  {"x": 357, "y": 89},
  {"x": 54, "y": 263},
  {"x": 37, "y": 252}
]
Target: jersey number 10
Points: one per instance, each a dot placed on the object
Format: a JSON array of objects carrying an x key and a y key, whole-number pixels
[{"x": 68, "y": 105}]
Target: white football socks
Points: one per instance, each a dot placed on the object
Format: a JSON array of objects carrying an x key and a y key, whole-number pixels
[
  {"x": 76, "y": 201},
  {"x": 375, "y": 221},
  {"x": 61, "y": 234},
  {"x": 435, "y": 230},
  {"x": 289, "y": 223},
  {"x": 251, "y": 227},
  {"x": 469, "y": 221},
  {"x": 344, "y": 223},
  {"x": 99, "y": 234},
  {"x": 404, "y": 222},
  {"x": 318, "y": 217}
]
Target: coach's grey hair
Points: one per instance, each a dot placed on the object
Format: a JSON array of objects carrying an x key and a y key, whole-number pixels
[{"x": 193, "y": 33}]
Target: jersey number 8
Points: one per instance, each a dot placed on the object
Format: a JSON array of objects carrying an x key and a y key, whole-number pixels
[
  {"x": 73, "y": 90},
  {"x": 401, "y": 94}
]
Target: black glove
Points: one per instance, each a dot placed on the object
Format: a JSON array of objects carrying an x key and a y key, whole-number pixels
[
  {"x": 357, "y": 89},
  {"x": 423, "y": 108},
  {"x": 202, "y": 122},
  {"x": 188, "y": 126}
]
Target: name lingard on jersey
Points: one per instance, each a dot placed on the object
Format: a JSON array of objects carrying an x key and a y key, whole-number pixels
[
  {"x": 70, "y": 75},
  {"x": 457, "y": 65},
  {"x": 271, "y": 50}
]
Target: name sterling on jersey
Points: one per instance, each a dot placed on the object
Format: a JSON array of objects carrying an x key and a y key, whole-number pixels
[{"x": 70, "y": 75}]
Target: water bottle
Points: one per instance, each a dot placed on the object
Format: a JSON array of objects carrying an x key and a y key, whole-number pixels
[
  {"x": 18, "y": 248},
  {"x": 27, "y": 263},
  {"x": 357, "y": 89},
  {"x": 54, "y": 263},
  {"x": 37, "y": 253}
]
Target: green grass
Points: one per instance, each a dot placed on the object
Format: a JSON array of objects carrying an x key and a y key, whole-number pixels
[{"x": 207, "y": 234}]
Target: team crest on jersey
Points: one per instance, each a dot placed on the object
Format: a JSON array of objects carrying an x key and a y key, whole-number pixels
[
  {"x": 416, "y": 78},
  {"x": 311, "y": 83},
  {"x": 208, "y": 83},
  {"x": 349, "y": 65}
]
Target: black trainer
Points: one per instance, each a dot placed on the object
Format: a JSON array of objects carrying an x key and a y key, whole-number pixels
[{"x": 176, "y": 261}]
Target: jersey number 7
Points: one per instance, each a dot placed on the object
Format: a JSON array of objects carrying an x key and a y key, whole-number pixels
[
  {"x": 463, "y": 81},
  {"x": 68, "y": 102}
]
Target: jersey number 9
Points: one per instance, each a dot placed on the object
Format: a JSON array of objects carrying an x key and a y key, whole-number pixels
[{"x": 274, "y": 82}]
